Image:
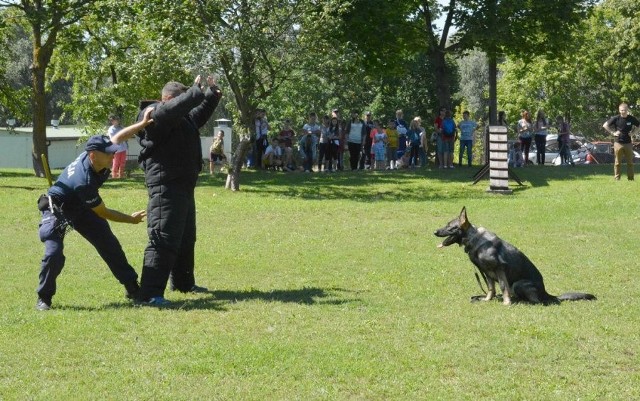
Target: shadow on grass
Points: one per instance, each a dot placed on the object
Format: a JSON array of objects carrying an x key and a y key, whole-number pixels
[
  {"x": 538, "y": 176},
  {"x": 26, "y": 188},
  {"x": 218, "y": 299},
  {"x": 364, "y": 186},
  {"x": 20, "y": 173},
  {"x": 306, "y": 296},
  {"x": 369, "y": 186}
]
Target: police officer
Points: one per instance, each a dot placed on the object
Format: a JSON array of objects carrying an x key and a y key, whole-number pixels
[
  {"x": 171, "y": 157},
  {"x": 74, "y": 201}
]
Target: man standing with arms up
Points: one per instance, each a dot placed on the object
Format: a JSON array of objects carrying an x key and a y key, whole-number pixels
[
  {"x": 171, "y": 157},
  {"x": 622, "y": 127}
]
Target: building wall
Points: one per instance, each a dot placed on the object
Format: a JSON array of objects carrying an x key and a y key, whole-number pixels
[{"x": 15, "y": 148}]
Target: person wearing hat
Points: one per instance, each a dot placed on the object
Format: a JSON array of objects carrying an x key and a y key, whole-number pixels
[{"x": 74, "y": 201}]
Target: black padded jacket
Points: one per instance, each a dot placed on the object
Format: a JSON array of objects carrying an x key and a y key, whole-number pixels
[{"x": 171, "y": 147}]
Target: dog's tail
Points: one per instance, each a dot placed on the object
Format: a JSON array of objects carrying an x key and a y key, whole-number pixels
[{"x": 576, "y": 296}]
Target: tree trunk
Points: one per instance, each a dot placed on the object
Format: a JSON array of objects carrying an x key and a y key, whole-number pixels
[
  {"x": 233, "y": 177},
  {"x": 443, "y": 90},
  {"x": 38, "y": 95},
  {"x": 493, "y": 87}
]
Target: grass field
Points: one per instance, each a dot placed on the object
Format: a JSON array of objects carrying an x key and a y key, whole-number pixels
[{"x": 330, "y": 287}]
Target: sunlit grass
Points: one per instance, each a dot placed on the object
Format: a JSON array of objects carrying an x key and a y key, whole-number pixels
[{"x": 330, "y": 286}]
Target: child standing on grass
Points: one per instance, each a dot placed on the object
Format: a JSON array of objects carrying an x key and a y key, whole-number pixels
[
  {"x": 379, "y": 146},
  {"x": 564, "y": 141},
  {"x": 216, "y": 153},
  {"x": 402, "y": 142},
  {"x": 306, "y": 147},
  {"x": 516, "y": 159},
  {"x": 392, "y": 144},
  {"x": 413, "y": 140}
]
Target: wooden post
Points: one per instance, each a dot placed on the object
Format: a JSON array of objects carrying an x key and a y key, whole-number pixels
[
  {"x": 233, "y": 176},
  {"x": 498, "y": 154}
]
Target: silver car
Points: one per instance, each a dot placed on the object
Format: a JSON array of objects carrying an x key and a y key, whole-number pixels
[{"x": 552, "y": 151}]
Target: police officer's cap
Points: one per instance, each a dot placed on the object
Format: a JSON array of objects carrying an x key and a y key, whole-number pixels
[{"x": 101, "y": 143}]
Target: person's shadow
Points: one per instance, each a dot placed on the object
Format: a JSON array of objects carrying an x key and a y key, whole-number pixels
[{"x": 219, "y": 299}]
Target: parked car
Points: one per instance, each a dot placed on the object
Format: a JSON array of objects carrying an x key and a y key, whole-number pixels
[
  {"x": 578, "y": 150},
  {"x": 603, "y": 152}
]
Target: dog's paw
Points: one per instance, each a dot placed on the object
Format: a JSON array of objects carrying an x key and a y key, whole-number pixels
[{"x": 477, "y": 298}]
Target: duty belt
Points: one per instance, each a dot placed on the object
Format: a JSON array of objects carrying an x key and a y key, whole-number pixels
[{"x": 63, "y": 224}]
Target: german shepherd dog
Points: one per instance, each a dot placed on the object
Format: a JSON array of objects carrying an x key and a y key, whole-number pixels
[{"x": 498, "y": 260}]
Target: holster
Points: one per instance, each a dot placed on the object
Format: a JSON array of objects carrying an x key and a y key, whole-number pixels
[
  {"x": 63, "y": 224},
  {"x": 43, "y": 202}
]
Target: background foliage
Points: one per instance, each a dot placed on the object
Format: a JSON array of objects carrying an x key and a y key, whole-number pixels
[{"x": 292, "y": 57}]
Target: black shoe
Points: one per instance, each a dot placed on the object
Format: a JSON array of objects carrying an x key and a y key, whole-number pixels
[
  {"x": 43, "y": 305},
  {"x": 194, "y": 289},
  {"x": 159, "y": 302},
  {"x": 131, "y": 290},
  {"x": 197, "y": 289}
]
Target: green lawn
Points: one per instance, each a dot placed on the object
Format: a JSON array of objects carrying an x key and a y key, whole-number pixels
[{"x": 330, "y": 287}]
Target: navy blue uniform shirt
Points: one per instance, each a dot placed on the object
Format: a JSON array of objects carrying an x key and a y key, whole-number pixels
[{"x": 77, "y": 187}]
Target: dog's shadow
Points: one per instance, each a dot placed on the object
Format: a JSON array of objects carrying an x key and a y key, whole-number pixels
[{"x": 220, "y": 299}]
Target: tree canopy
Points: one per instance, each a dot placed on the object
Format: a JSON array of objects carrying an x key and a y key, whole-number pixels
[
  {"x": 588, "y": 78},
  {"x": 293, "y": 57}
]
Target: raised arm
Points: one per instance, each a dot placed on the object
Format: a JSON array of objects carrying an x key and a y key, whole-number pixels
[
  {"x": 202, "y": 112},
  {"x": 128, "y": 132}
]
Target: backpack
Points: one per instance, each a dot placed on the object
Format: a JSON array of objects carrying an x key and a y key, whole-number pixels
[{"x": 448, "y": 127}]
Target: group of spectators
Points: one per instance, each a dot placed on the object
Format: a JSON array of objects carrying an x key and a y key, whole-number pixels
[
  {"x": 622, "y": 127},
  {"x": 529, "y": 131},
  {"x": 330, "y": 142}
]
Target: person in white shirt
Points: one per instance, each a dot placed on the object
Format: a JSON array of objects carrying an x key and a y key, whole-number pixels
[
  {"x": 355, "y": 133},
  {"x": 272, "y": 155}
]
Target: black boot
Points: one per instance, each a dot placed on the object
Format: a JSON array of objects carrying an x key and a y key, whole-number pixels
[{"x": 131, "y": 290}]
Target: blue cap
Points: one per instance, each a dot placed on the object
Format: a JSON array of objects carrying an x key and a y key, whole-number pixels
[{"x": 101, "y": 143}]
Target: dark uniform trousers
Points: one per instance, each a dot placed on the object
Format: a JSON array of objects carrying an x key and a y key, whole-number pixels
[
  {"x": 171, "y": 222},
  {"x": 94, "y": 229}
]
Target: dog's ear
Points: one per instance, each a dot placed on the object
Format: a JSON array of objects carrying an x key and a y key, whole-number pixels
[
  {"x": 464, "y": 221},
  {"x": 463, "y": 213}
]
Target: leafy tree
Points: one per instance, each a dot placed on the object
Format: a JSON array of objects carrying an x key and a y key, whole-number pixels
[
  {"x": 392, "y": 47},
  {"x": 594, "y": 73},
  {"x": 257, "y": 45},
  {"x": 521, "y": 28},
  {"x": 607, "y": 54},
  {"x": 474, "y": 82},
  {"x": 45, "y": 19},
  {"x": 15, "y": 77},
  {"x": 119, "y": 55},
  {"x": 15, "y": 83}
]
